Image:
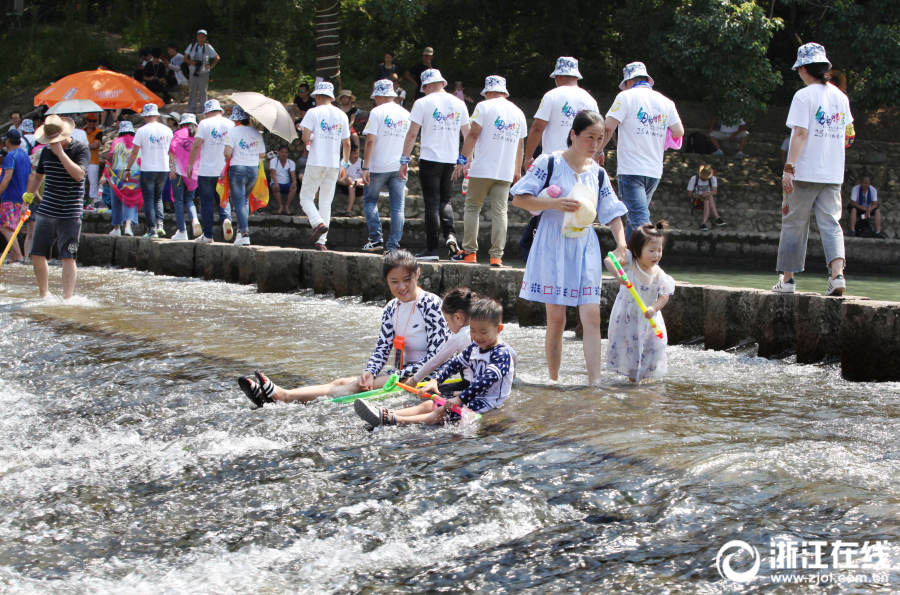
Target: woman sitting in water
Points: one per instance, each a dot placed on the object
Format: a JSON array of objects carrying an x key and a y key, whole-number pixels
[{"x": 411, "y": 323}]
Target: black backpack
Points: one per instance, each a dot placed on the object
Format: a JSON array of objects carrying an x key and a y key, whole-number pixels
[{"x": 699, "y": 144}]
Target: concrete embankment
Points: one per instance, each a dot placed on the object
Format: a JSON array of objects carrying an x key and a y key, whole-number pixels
[
  {"x": 865, "y": 334},
  {"x": 718, "y": 248}
]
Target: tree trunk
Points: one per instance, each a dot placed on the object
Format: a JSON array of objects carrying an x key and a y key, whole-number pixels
[{"x": 328, "y": 42}]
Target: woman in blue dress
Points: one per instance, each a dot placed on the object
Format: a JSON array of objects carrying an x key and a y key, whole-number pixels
[{"x": 566, "y": 271}]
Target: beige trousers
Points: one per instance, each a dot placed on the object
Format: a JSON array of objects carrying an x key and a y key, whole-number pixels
[{"x": 478, "y": 190}]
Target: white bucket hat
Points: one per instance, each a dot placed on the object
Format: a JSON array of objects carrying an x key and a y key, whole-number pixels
[
  {"x": 125, "y": 126},
  {"x": 150, "y": 109},
  {"x": 325, "y": 89},
  {"x": 432, "y": 75},
  {"x": 212, "y": 106},
  {"x": 188, "y": 119},
  {"x": 810, "y": 53},
  {"x": 27, "y": 126},
  {"x": 566, "y": 66},
  {"x": 202, "y": 31},
  {"x": 384, "y": 88},
  {"x": 494, "y": 84},
  {"x": 633, "y": 70},
  {"x": 238, "y": 114}
]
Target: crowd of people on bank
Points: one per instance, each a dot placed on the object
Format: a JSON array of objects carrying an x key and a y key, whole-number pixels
[{"x": 554, "y": 171}]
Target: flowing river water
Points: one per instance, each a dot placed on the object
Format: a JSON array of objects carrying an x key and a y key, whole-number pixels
[{"x": 130, "y": 462}]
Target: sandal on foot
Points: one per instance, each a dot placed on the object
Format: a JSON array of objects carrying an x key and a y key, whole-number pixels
[
  {"x": 374, "y": 416},
  {"x": 252, "y": 390},
  {"x": 266, "y": 387}
]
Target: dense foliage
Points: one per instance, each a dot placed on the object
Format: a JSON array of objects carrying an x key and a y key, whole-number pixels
[{"x": 734, "y": 54}]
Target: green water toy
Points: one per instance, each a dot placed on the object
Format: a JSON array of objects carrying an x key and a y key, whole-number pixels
[{"x": 389, "y": 387}]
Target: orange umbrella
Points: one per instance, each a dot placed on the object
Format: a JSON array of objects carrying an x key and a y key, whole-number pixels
[{"x": 110, "y": 90}]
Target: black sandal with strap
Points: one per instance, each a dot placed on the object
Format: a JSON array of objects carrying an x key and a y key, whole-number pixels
[{"x": 252, "y": 390}]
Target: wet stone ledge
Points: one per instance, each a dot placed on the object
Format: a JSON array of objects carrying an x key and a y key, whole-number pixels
[{"x": 863, "y": 333}]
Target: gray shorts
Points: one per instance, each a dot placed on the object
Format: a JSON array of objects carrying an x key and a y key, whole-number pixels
[{"x": 65, "y": 232}]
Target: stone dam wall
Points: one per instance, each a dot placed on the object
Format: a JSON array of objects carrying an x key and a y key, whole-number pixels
[{"x": 864, "y": 334}]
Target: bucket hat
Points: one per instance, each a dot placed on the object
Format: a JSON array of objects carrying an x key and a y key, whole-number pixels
[
  {"x": 810, "y": 53},
  {"x": 634, "y": 70},
  {"x": 494, "y": 84},
  {"x": 566, "y": 66}
]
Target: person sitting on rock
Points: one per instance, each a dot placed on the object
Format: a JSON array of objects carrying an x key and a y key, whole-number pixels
[
  {"x": 730, "y": 132},
  {"x": 864, "y": 203},
  {"x": 701, "y": 190}
]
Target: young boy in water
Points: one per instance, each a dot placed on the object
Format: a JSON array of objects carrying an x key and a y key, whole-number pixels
[{"x": 490, "y": 360}]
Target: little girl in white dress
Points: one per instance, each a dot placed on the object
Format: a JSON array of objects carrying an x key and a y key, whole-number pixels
[{"x": 634, "y": 349}]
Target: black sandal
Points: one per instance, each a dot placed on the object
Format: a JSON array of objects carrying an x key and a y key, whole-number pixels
[
  {"x": 266, "y": 387},
  {"x": 251, "y": 389},
  {"x": 374, "y": 416}
]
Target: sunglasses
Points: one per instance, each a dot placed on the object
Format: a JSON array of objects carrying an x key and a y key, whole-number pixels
[{"x": 89, "y": 120}]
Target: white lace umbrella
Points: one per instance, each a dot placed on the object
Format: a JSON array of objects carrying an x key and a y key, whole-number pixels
[
  {"x": 75, "y": 106},
  {"x": 268, "y": 112}
]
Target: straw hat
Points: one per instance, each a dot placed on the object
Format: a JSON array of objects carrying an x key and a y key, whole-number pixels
[
  {"x": 576, "y": 224},
  {"x": 346, "y": 93},
  {"x": 54, "y": 130}
]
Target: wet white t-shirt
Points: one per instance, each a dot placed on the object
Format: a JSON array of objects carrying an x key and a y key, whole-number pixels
[
  {"x": 502, "y": 127},
  {"x": 643, "y": 115},
  {"x": 825, "y": 113},
  {"x": 559, "y": 108},
  {"x": 213, "y": 131},
  {"x": 154, "y": 140},
  {"x": 440, "y": 115},
  {"x": 246, "y": 144},
  {"x": 389, "y": 122},
  {"x": 330, "y": 126}
]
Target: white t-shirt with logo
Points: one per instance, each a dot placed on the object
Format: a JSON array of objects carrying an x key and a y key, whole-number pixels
[
  {"x": 330, "y": 126},
  {"x": 644, "y": 115},
  {"x": 502, "y": 127},
  {"x": 213, "y": 131},
  {"x": 246, "y": 144},
  {"x": 154, "y": 140},
  {"x": 559, "y": 108},
  {"x": 825, "y": 113},
  {"x": 440, "y": 115},
  {"x": 389, "y": 122},
  {"x": 283, "y": 174}
]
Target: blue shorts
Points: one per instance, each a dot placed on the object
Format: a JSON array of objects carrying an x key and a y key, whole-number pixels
[{"x": 284, "y": 188}]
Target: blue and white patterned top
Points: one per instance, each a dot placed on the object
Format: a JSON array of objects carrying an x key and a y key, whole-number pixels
[{"x": 493, "y": 371}]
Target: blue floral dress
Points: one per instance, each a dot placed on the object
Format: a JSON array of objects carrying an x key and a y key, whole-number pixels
[
  {"x": 563, "y": 270},
  {"x": 633, "y": 348}
]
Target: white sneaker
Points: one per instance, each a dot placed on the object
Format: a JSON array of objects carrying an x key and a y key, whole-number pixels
[
  {"x": 198, "y": 229},
  {"x": 115, "y": 232},
  {"x": 180, "y": 235},
  {"x": 227, "y": 230},
  {"x": 836, "y": 286},
  {"x": 237, "y": 236},
  {"x": 242, "y": 241},
  {"x": 741, "y": 155},
  {"x": 718, "y": 153},
  {"x": 128, "y": 231},
  {"x": 785, "y": 286},
  {"x": 202, "y": 239}
]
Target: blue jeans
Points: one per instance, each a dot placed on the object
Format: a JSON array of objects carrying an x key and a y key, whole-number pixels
[
  {"x": 184, "y": 202},
  {"x": 152, "y": 184},
  {"x": 120, "y": 213},
  {"x": 395, "y": 186},
  {"x": 242, "y": 178},
  {"x": 636, "y": 192},
  {"x": 209, "y": 201}
]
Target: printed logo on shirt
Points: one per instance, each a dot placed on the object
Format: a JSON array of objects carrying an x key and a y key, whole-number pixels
[
  {"x": 247, "y": 146},
  {"x": 330, "y": 130},
  {"x": 834, "y": 124},
  {"x": 156, "y": 140},
  {"x": 218, "y": 134},
  {"x": 449, "y": 117},
  {"x": 570, "y": 112},
  {"x": 393, "y": 124},
  {"x": 616, "y": 106},
  {"x": 651, "y": 125},
  {"x": 508, "y": 131},
  {"x": 475, "y": 115}
]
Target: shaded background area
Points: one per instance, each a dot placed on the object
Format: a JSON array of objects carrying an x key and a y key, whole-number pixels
[{"x": 732, "y": 56}]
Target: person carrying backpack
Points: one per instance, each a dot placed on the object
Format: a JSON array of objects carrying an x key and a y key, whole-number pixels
[
  {"x": 202, "y": 58},
  {"x": 701, "y": 190}
]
